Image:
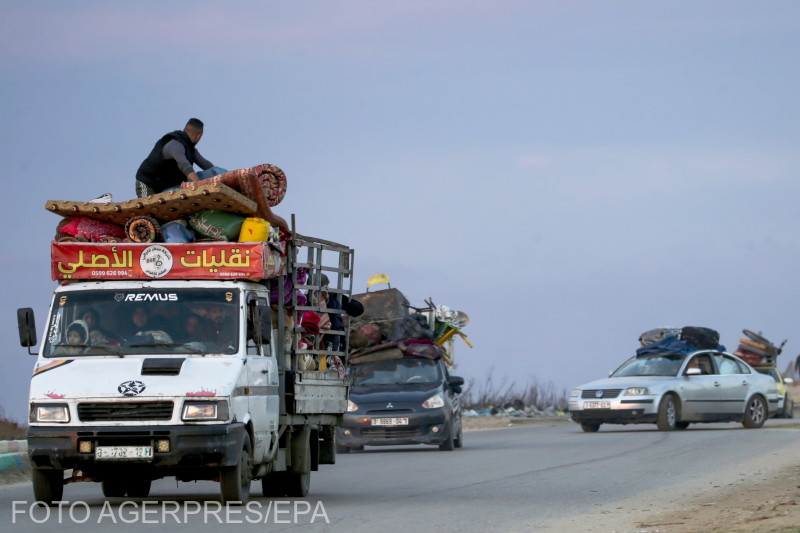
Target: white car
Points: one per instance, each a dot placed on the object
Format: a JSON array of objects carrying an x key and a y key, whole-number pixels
[{"x": 674, "y": 390}]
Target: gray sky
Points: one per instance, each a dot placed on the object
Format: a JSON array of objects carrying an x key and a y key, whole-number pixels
[{"x": 570, "y": 174}]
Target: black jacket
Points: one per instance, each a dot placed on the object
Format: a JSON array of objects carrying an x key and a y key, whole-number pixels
[{"x": 160, "y": 173}]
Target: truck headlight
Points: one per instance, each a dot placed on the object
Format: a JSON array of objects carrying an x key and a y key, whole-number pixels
[
  {"x": 351, "y": 407},
  {"x": 196, "y": 411},
  {"x": 50, "y": 412},
  {"x": 637, "y": 391},
  {"x": 435, "y": 401}
]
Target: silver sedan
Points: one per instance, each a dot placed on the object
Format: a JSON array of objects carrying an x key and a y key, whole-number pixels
[{"x": 674, "y": 390}]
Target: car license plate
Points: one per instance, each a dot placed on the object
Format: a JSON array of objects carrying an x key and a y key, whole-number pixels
[
  {"x": 123, "y": 452},
  {"x": 597, "y": 405},
  {"x": 389, "y": 421}
]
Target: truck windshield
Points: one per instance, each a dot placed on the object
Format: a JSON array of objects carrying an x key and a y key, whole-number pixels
[
  {"x": 121, "y": 322},
  {"x": 395, "y": 371}
]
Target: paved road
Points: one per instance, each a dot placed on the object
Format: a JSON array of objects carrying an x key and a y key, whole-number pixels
[{"x": 520, "y": 479}]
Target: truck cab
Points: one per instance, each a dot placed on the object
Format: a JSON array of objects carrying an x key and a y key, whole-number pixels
[{"x": 196, "y": 375}]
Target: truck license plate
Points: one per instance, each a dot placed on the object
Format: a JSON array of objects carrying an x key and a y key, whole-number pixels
[
  {"x": 597, "y": 405},
  {"x": 389, "y": 421},
  {"x": 123, "y": 452}
]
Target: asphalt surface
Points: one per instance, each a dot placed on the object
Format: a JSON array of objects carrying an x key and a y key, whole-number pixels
[{"x": 523, "y": 479}]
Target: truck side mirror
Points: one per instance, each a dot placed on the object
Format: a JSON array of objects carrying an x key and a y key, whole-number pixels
[{"x": 27, "y": 328}]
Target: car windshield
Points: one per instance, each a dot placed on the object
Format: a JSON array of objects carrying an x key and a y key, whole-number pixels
[
  {"x": 122, "y": 322},
  {"x": 654, "y": 365},
  {"x": 395, "y": 371}
]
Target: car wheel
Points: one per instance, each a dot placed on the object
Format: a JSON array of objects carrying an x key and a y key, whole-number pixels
[
  {"x": 139, "y": 487},
  {"x": 234, "y": 481},
  {"x": 755, "y": 414},
  {"x": 449, "y": 443},
  {"x": 788, "y": 411},
  {"x": 590, "y": 427},
  {"x": 681, "y": 425},
  {"x": 459, "y": 440},
  {"x": 113, "y": 488},
  {"x": 667, "y": 413},
  {"x": 48, "y": 485}
]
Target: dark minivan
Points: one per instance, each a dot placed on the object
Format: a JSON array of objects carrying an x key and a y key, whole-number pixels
[{"x": 401, "y": 400}]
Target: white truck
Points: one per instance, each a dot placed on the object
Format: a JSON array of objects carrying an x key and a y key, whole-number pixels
[{"x": 185, "y": 360}]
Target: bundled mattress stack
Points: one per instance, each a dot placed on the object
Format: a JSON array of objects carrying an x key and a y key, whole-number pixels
[
  {"x": 756, "y": 350},
  {"x": 212, "y": 210}
]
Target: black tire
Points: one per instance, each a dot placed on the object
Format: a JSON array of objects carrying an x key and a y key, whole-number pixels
[
  {"x": 681, "y": 425},
  {"x": 788, "y": 408},
  {"x": 668, "y": 415},
  {"x": 234, "y": 481},
  {"x": 449, "y": 443},
  {"x": 273, "y": 485},
  {"x": 459, "y": 440},
  {"x": 298, "y": 485},
  {"x": 755, "y": 413},
  {"x": 48, "y": 485},
  {"x": 590, "y": 427},
  {"x": 113, "y": 487},
  {"x": 139, "y": 487}
]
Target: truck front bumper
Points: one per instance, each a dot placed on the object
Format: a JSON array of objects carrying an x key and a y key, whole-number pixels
[{"x": 190, "y": 447}]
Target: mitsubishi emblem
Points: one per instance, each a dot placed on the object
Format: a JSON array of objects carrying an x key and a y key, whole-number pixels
[{"x": 389, "y": 405}]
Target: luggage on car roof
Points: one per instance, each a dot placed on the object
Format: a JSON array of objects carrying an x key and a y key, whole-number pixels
[{"x": 700, "y": 338}]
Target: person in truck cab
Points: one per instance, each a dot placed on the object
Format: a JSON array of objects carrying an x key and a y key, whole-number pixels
[{"x": 172, "y": 161}]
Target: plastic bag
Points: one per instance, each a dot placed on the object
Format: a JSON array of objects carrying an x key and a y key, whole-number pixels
[{"x": 218, "y": 225}]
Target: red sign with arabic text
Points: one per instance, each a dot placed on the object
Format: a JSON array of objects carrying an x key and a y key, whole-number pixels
[{"x": 218, "y": 260}]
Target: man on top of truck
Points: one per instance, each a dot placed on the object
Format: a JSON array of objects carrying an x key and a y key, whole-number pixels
[{"x": 172, "y": 160}]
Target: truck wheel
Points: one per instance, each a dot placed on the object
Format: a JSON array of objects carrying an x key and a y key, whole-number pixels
[
  {"x": 234, "y": 481},
  {"x": 755, "y": 414},
  {"x": 48, "y": 485},
  {"x": 273, "y": 485},
  {"x": 113, "y": 488},
  {"x": 139, "y": 487},
  {"x": 590, "y": 427},
  {"x": 667, "y": 413},
  {"x": 450, "y": 443},
  {"x": 297, "y": 485}
]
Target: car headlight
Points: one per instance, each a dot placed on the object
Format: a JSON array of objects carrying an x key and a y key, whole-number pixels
[
  {"x": 435, "y": 401},
  {"x": 637, "y": 391},
  {"x": 351, "y": 407},
  {"x": 197, "y": 411},
  {"x": 58, "y": 412},
  {"x": 575, "y": 393}
]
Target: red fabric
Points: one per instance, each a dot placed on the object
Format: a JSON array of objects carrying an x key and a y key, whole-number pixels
[
  {"x": 310, "y": 322},
  {"x": 93, "y": 229}
]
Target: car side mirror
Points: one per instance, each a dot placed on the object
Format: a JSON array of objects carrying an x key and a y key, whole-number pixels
[
  {"x": 788, "y": 381},
  {"x": 693, "y": 372},
  {"x": 27, "y": 328},
  {"x": 455, "y": 383}
]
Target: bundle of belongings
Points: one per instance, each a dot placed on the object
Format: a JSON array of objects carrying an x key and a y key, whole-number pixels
[
  {"x": 756, "y": 350},
  {"x": 391, "y": 328},
  {"x": 678, "y": 340},
  {"x": 230, "y": 207}
]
